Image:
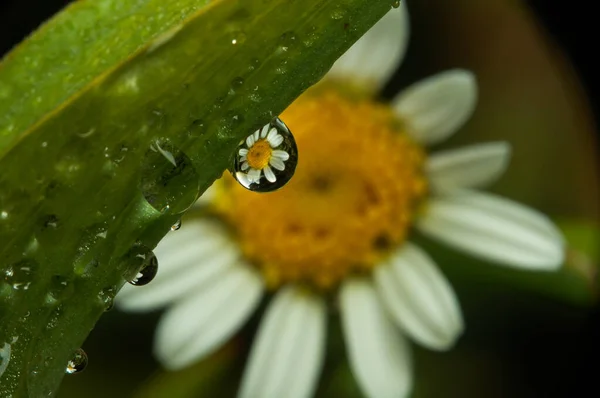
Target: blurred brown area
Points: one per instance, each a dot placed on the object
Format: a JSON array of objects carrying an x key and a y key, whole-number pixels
[{"x": 518, "y": 343}]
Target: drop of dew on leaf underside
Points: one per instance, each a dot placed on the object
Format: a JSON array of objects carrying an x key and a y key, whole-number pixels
[
  {"x": 266, "y": 159},
  {"x": 77, "y": 363},
  {"x": 169, "y": 181}
]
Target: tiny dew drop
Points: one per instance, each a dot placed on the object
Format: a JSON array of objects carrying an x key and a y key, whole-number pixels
[
  {"x": 396, "y": 3},
  {"x": 140, "y": 265},
  {"x": 266, "y": 160},
  {"x": 77, "y": 363},
  {"x": 107, "y": 297},
  {"x": 176, "y": 226},
  {"x": 169, "y": 181}
]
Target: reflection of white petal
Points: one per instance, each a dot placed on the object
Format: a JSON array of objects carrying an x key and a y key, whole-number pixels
[
  {"x": 269, "y": 174},
  {"x": 254, "y": 175},
  {"x": 379, "y": 355},
  {"x": 275, "y": 140},
  {"x": 436, "y": 107},
  {"x": 277, "y": 163},
  {"x": 278, "y": 153},
  {"x": 245, "y": 166},
  {"x": 265, "y": 129},
  {"x": 243, "y": 152},
  {"x": 470, "y": 167},
  {"x": 200, "y": 323},
  {"x": 496, "y": 229},
  {"x": 186, "y": 262},
  {"x": 243, "y": 178},
  {"x": 376, "y": 55},
  {"x": 287, "y": 354},
  {"x": 250, "y": 140},
  {"x": 419, "y": 298}
]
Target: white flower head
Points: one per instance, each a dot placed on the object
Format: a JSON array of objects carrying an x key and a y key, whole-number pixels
[
  {"x": 261, "y": 154},
  {"x": 342, "y": 227}
]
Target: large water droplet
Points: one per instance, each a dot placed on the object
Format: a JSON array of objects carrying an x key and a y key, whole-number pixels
[
  {"x": 267, "y": 158},
  {"x": 77, "y": 363},
  {"x": 140, "y": 265},
  {"x": 20, "y": 275},
  {"x": 169, "y": 181}
]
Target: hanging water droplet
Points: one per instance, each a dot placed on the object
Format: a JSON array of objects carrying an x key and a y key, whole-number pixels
[
  {"x": 169, "y": 181},
  {"x": 176, "y": 226},
  {"x": 267, "y": 158},
  {"x": 396, "y": 3},
  {"x": 77, "y": 363},
  {"x": 147, "y": 272}
]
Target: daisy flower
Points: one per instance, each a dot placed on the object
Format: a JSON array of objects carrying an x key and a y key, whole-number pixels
[{"x": 339, "y": 233}]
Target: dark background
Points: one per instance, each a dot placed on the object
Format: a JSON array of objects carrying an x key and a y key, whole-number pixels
[{"x": 559, "y": 360}]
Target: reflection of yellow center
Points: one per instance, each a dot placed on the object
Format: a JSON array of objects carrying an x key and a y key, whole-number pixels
[
  {"x": 352, "y": 198},
  {"x": 259, "y": 154}
]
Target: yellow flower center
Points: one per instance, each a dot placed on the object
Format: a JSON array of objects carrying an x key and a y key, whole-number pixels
[
  {"x": 352, "y": 198},
  {"x": 259, "y": 154}
]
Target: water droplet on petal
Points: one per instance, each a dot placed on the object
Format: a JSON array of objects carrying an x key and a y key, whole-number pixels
[
  {"x": 176, "y": 226},
  {"x": 77, "y": 363},
  {"x": 266, "y": 160},
  {"x": 169, "y": 181}
]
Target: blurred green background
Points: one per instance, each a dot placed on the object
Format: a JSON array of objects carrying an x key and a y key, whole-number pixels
[{"x": 527, "y": 334}]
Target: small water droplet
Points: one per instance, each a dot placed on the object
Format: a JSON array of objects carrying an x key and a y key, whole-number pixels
[
  {"x": 169, "y": 181},
  {"x": 77, "y": 363},
  {"x": 176, "y": 226},
  {"x": 396, "y": 3},
  {"x": 267, "y": 158},
  {"x": 338, "y": 13},
  {"x": 107, "y": 297},
  {"x": 60, "y": 287},
  {"x": 238, "y": 38},
  {"x": 20, "y": 275},
  {"x": 148, "y": 271}
]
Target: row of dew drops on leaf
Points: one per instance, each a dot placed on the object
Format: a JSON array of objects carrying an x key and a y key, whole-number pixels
[{"x": 263, "y": 162}]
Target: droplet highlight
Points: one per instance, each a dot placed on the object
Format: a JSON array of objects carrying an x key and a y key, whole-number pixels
[
  {"x": 169, "y": 181},
  {"x": 77, "y": 363},
  {"x": 20, "y": 275},
  {"x": 266, "y": 160}
]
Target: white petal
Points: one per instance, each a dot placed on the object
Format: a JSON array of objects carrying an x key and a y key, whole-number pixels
[
  {"x": 182, "y": 267},
  {"x": 420, "y": 298},
  {"x": 436, "y": 107},
  {"x": 256, "y": 135},
  {"x": 278, "y": 153},
  {"x": 254, "y": 175},
  {"x": 376, "y": 56},
  {"x": 277, "y": 163},
  {"x": 275, "y": 140},
  {"x": 269, "y": 174},
  {"x": 379, "y": 355},
  {"x": 245, "y": 166},
  {"x": 287, "y": 354},
  {"x": 250, "y": 140},
  {"x": 204, "y": 320},
  {"x": 264, "y": 131},
  {"x": 243, "y": 152},
  {"x": 471, "y": 167},
  {"x": 496, "y": 229}
]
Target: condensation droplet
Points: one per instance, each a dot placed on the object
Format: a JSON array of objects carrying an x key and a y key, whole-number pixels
[
  {"x": 20, "y": 275},
  {"x": 396, "y": 3},
  {"x": 176, "y": 226},
  {"x": 77, "y": 363},
  {"x": 60, "y": 287},
  {"x": 107, "y": 297},
  {"x": 147, "y": 272},
  {"x": 169, "y": 181},
  {"x": 338, "y": 13},
  {"x": 266, "y": 160}
]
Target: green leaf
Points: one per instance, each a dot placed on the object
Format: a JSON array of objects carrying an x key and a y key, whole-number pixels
[{"x": 88, "y": 106}]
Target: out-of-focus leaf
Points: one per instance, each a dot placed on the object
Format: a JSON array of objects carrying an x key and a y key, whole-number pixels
[{"x": 89, "y": 106}]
